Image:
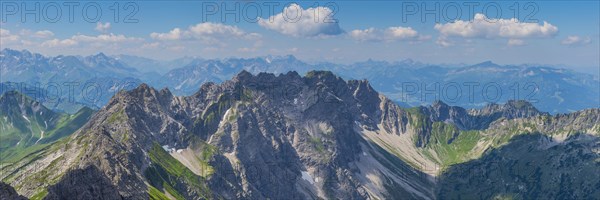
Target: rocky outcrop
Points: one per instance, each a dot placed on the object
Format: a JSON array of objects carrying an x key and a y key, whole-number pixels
[
  {"x": 273, "y": 136},
  {"x": 87, "y": 183},
  {"x": 529, "y": 167}
]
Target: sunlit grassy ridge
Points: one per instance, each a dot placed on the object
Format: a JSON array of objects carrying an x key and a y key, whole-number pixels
[
  {"x": 167, "y": 173},
  {"x": 28, "y": 126}
]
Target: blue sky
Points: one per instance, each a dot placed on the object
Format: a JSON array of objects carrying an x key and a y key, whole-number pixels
[{"x": 566, "y": 33}]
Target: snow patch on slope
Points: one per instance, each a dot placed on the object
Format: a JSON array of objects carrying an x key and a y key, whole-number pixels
[{"x": 306, "y": 176}]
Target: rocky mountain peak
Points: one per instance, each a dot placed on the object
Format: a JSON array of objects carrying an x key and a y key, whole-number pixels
[
  {"x": 243, "y": 76},
  {"x": 166, "y": 92},
  {"x": 321, "y": 75},
  {"x": 13, "y": 52},
  {"x": 8, "y": 56},
  {"x": 274, "y": 136},
  {"x": 486, "y": 64},
  {"x": 440, "y": 111},
  {"x": 101, "y": 61},
  {"x": 367, "y": 96},
  {"x": 520, "y": 109},
  {"x": 511, "y": 109},
  {"x": 142, "y": 91},
  {"x": 438, "y": 104},
  {"x": 479, "y": 119},
  {"x": 519, "y": 104},
  {"x": 145, "y": 94},
  {"x": 13, "y": 101},
  {"x": 100, "y": 57},
  {"x": 8, "y": 52},
  {"x": 12, "y": 96}
]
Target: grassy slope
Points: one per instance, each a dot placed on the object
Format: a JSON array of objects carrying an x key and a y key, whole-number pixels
[
  {"x": 168, "y": 174},
  {"x": 526, "y": 168},
  {"x": 453, "y": 146},
  {"x": 16, "y": 143}
]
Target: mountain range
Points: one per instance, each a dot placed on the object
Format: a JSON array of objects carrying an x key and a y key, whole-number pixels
[
  {"x": 72, "y": 80},
  {"x": 316, "y": 136},
  {"x": 94, "y": 79}
]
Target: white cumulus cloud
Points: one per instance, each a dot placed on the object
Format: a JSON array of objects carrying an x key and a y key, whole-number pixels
[
  {"x": 388, "y": 34},
  {"x": 207, "y": 32},
  {"x": 43, "y": 34},
  {"x": 6, "y": 37},
  {"x": 102, "y": 27},
  {"x": 59, "y": 43},
  {"x": 574, "y": 40},
  {"x": 298, "y": 22},
  {"x": 99, "y": 40},
  {"x": 174, "y": 34},
  {"x": 483, "y": 27},
  {"x": 105, "y": 38}
]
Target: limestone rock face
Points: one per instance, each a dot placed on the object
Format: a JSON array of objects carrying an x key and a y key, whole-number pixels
[{"x": 279, "y": 137}]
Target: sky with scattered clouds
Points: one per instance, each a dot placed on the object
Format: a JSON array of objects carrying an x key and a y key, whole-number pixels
[{"x": 564, "y": 33}]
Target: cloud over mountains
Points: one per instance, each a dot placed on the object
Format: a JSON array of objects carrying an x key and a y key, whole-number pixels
[{"x": 298, "y": 22}]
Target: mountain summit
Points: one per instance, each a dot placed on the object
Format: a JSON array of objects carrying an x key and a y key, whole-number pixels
[{"x": 288, "y": 136}]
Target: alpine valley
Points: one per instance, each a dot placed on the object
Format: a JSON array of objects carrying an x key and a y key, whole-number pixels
[{"x": 289, "y": 136}]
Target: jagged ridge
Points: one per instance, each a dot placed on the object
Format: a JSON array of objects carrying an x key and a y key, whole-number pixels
[{"x": 286, "y": 136}]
